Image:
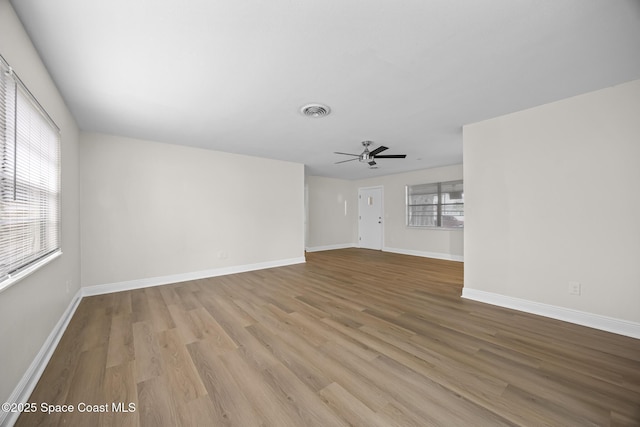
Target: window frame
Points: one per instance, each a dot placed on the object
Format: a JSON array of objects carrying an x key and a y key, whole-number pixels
[
  {"x": 439, "y": 205},
  {"x": 30, "y": 157}
]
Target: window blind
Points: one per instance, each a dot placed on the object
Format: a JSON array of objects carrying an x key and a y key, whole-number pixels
[
  {"x": 29, "y": 178},
  {"x": 438, "y": 204},
  {"x": 423, "y": 205}
]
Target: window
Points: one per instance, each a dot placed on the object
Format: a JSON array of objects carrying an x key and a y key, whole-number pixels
[
  {"x": 440, "y": 204},
  {"x": 29, "y": 181}
]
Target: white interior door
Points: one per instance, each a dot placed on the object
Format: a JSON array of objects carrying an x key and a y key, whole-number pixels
[{"x": 370, "y": 225}]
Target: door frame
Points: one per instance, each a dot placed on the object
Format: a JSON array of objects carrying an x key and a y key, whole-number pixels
[{"x": 375, "y": 187}]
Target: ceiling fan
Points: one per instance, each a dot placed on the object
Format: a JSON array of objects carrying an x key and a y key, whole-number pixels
[{"x": 370, "y": 156}]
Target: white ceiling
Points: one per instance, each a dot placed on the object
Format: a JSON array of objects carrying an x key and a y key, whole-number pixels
[{"x": 232, "y": 75}]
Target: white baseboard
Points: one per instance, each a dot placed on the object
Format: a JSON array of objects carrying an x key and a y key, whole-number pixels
[
  {"x": 183, "y": 277},
  {"x": 31, "y": 377},
  {"x": 596, "y": 321},
  {"x": 330, "y": 247},
  {"x": 436, "y": 255}
]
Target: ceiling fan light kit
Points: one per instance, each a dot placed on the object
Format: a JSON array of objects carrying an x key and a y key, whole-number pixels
[{"x": 369, "y": 156}]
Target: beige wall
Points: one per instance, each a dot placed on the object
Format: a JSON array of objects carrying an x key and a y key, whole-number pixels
[
  {"x": 151, "y": 210},
  {"x": 447, "y": 244},
  {"x": 552, "y": 195},
  {"x": 30, "y": 308},
  {"x": 329, "y": 227},
  {"x": 332, "y": 212}
]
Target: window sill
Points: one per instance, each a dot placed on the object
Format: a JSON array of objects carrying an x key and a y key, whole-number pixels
[
  {"x": 434, "y": 228},
  {"x": 12, "y": 279}
]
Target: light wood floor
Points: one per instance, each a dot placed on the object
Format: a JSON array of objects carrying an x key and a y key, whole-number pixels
[{"x": 352, "y": 337}]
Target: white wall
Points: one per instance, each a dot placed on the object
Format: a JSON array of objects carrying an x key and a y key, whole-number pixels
[
  {"x": 150, "y": 210},
  {"x": 552, "y": 195},
  {"x": 30, "y": 308},
  {"x": 332, "y": 209},
  {"x": 330, "y": 228}
]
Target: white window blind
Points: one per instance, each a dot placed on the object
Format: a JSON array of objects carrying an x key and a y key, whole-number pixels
[
  {"x": 29, "y": 179},
  {"x": 438, "y": 204}
]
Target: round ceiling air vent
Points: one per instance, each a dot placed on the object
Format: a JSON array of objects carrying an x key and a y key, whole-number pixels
[{"x": 315, "y": 110}]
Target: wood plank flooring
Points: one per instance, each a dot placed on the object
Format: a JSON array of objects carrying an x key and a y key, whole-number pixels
[{"x": 351, "y": 338}]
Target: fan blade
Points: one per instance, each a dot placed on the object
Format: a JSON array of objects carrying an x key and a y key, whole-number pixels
[
  {"x": 350, "y": 160},
  {"x": 392, "y": 156},
  {"x": 346, "y": 154},
  {"x": 372, "y": 162},
  {"x": 378, "y": 150}
]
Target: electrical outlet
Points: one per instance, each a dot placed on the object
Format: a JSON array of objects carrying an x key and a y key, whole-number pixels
[{"x": 574, "y": 288}]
